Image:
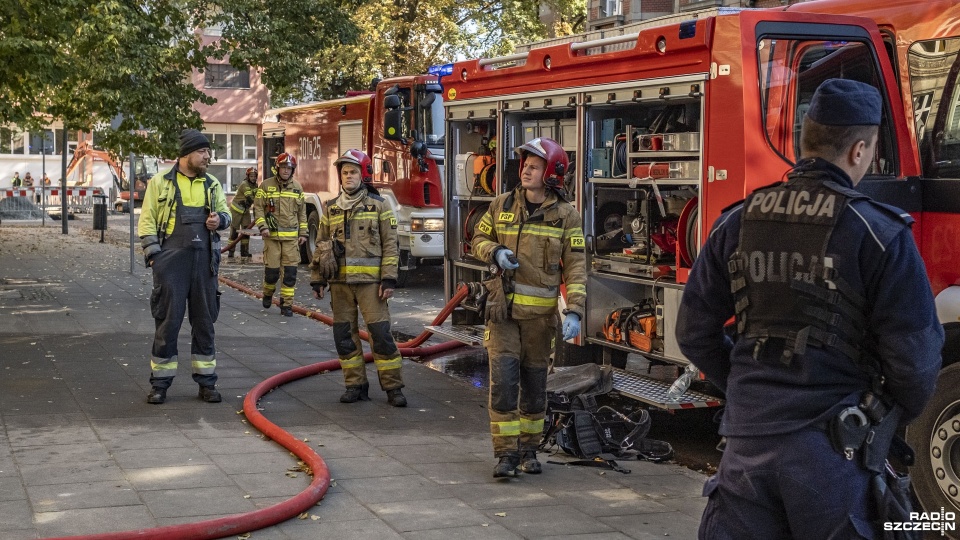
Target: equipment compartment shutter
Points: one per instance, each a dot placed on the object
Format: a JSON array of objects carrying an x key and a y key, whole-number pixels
[{"x": 351, "y": 136}]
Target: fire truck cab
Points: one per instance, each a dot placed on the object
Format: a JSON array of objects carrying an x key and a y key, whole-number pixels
[{"x": 668, "y": 126}]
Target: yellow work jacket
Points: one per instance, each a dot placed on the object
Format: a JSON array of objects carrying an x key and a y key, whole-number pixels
[
  {"x": 158, "y": 214},
  {"x": 549, "y": 246},
  {"x": 286, "y": 204}
]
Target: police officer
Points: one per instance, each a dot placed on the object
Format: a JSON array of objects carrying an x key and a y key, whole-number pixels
[
  {"x": 182, "y": 210},
  {"x": 833, "y": 309},
  {"x": 357, "y": 255},
  {"x": 280, "y": 212},
  {"x": 240, "y": 208},
  {"x": 535, "y": 237}
]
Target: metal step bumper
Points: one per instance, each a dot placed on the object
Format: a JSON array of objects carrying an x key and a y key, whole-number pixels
[
  {"x": 467, "y": 334},
  {"x": 654, "y": 392}
]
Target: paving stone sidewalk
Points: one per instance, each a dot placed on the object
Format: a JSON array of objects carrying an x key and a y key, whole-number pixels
[{"x": 81, "y": 452}]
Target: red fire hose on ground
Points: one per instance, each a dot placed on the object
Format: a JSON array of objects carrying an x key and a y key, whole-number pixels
[{"x": 265, "y": 517}]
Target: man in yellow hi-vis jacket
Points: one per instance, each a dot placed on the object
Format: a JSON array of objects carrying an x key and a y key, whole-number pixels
[
  {"x": 280, "y": 212},
  {"x": 535, "y": 237},
  {"x": 357, "y": 254},
  {"x": 182, "y": 210}
]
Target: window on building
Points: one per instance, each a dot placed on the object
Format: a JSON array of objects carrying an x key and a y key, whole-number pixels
[
  {"x": 243, "y": 146},
  {"x": 6, "y": 141},
  {"x": 237, "y": 174},
  {"x": 219, "y": 172},
  {"x": 41, "y": 142},
  {"x": 17, "y": 143},
  {"x": 610, "y": 8},
  {"x": 218, "y": 145},
  {"x": 225, "y": 76},
  {"x": 71, "y": 141}
]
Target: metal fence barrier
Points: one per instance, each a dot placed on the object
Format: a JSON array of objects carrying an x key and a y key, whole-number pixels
[{"x": 28, "y": 203}]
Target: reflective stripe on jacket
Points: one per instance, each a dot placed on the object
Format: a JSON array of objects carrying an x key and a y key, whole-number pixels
[
  {"x": 368, "y": 233},
  {"x": 286, "y": 203},
  {"x": 549, "y": 245},
  {"x": 242, "y": 200}
]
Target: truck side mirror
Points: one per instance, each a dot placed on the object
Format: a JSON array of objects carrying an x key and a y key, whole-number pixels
[
  {"x": 391, "y": 102},
  {"x": 393, "y": 124},
  {"x": 428, "y": 100}
]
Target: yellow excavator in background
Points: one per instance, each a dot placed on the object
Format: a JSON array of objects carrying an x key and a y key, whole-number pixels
[{"x": 144, "y": 168}]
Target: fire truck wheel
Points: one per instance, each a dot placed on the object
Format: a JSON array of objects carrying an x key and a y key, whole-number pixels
[
  {"x": 935, "y": 438},
  {"x": 403, "y": 275},
  {"x": 313, "y": 225}
]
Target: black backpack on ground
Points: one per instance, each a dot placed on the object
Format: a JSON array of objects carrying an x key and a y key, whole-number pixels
[{"x": 581, "y": 427}]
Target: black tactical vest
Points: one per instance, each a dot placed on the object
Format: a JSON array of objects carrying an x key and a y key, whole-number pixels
[{"x": 788, "y": 292}]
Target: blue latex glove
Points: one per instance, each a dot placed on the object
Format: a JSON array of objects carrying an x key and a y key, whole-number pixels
[
  {"x": 571, "y": 326},
  {"x": 507, "y": 260}
]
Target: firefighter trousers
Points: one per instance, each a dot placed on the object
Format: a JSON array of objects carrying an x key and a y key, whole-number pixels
[
  {"x": 519, "y": 355},
  {"x": 182, "y": 278},
  {"x": 345, "y": 300},
  {"x": 240, "y": 221},
  {"x": 277, "y": 253}
]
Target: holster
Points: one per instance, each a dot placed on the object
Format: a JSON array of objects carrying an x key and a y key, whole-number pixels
[
  {"x": 876, "y": 447},
  {"x": 496, "y": 303}
]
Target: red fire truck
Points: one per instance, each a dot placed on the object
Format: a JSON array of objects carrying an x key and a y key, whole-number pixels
[
  {"x": 407, "y": 160},
  {"x": 667, "y": 126}
]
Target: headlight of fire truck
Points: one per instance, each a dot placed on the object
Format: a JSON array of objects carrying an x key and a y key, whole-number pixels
[{"x": 425, "y": 225}]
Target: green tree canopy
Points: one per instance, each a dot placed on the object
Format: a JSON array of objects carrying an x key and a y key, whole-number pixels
[
  {"x": 403, "y": 37},
  {"x": 87, "y": 61}
]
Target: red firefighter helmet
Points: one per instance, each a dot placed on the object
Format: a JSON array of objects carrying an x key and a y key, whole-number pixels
[
  {"x": 251, "y": 170},
  {"x": 552, "y": 153},
  {"x": 286, "y": 159},
  {"x": 359, "y": 159}
]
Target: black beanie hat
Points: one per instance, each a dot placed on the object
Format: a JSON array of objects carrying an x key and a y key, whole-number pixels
[{"x": 192, "y": 140}]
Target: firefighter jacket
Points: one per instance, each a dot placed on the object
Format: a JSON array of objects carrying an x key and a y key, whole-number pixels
[
  {"x": 367, "y": 233},
  {"x": 158, "y": 215},
  {"x": 870, "y": 256},
  {"x": 549, "y": 245},
  {"x": 281, "y": 208},
  {"x": 243, "y": 199}
]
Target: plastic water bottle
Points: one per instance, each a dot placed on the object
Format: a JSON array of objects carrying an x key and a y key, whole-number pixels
[{"x": 682, "y": 383}]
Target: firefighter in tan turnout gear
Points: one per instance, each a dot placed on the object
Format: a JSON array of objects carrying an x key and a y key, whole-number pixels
[
  {"x": 240, "y": 208},
  {"x": 535, "y": 237},
  {"x": 357, "y": 255},
  {"x": 279, "y": 211}
]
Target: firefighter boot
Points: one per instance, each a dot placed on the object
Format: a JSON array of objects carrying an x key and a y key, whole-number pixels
[
  {"x": 395, "y": 398},
  {"x": 507, "y": 467},
  {"x": 356, "y": 393},
  {"x": 529, "y": 463},
  {"x": 267, "y": 301},
  {"x": 157, "y": 396},
  {"x": 210, "y": 394},
  {"x": 286, "y": 310}
]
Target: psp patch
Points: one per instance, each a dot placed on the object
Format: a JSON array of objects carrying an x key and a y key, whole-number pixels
[
  {"x": 576, "y": 241},
  {"x": 484, "y": 228},
  {"x": 506, "y": 216}
]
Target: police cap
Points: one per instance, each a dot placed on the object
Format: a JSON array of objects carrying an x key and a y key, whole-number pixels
[{"x": 843, "y": 102}]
